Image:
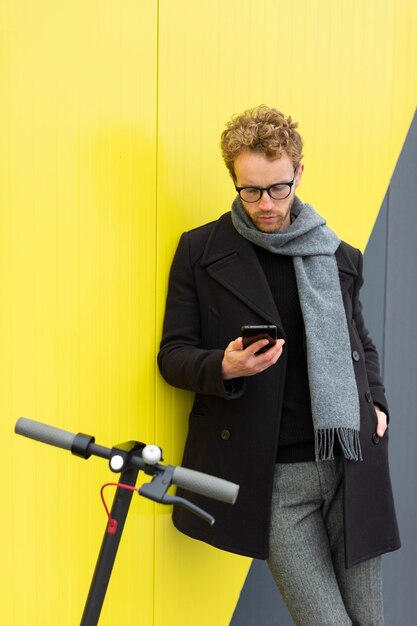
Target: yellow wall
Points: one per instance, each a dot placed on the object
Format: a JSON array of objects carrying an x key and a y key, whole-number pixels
[{"x": 110, "y": 116}]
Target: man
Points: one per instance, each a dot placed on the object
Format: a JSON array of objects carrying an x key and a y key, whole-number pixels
[{"x": 302, "y": 426}]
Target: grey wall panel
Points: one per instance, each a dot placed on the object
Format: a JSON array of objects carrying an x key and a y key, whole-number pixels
[
  {"x": 389, "y": 299},
  {"x": 400, "y": 364}
]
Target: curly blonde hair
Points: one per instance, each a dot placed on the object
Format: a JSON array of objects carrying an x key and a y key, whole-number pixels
[{"x": 264, "y": 130}]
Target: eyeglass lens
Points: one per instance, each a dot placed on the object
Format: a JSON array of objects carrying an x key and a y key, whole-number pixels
[{"x": 277, "y": 192}]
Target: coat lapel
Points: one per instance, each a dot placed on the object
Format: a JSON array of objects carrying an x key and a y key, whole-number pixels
[
  {"x": 347, "y": 270},
  {"x": 232, "y": 261}
]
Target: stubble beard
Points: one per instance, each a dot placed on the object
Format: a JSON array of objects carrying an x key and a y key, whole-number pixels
[{"x": 278, "y": 226}]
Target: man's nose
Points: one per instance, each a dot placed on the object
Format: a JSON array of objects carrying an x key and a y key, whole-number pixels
[{"x": 265, "y": 202}]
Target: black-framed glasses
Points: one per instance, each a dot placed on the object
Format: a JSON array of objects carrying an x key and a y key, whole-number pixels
[{"x": 277, "y": 191}]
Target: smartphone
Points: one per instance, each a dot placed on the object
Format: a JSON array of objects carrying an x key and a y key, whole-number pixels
[{"x": 250, "y": 334}]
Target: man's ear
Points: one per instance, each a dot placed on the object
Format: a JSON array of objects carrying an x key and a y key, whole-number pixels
[{"x": 300, "y": 171}]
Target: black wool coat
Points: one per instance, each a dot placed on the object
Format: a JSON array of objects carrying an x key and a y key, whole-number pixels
[{"x": 216, "y": 285}]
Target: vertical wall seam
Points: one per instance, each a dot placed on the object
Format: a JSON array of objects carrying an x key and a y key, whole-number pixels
[
  {"x": 156, "y": 183},
  {"x": 384, "y": 312},
  {"x": 157, "y": 17}
]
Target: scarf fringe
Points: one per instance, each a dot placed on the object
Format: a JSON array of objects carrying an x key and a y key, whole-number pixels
[{"x": 348, "y": 439}]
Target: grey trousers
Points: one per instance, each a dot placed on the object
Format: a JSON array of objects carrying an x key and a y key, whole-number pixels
[{"x": 307, "y": 551}]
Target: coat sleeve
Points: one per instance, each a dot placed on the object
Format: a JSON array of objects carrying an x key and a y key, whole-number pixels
[
  {"x": 376, "y": 385},
  {"x": 182, "y": 360}
]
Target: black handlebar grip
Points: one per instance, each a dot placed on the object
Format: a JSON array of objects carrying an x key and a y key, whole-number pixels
[
  {"x": 44, "y": 433},
  {"x": 205, "y": 485}
]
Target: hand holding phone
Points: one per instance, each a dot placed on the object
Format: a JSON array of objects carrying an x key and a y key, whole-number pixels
[
  {"x": 253, "y": 333},
  {"x": 238, "y": 361}
]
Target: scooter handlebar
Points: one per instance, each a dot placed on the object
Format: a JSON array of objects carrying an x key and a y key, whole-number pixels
[
  {"x": 197, "y": 482},
  {"x": 205, "y": 484},
  {"x": 44, "y": 433}
]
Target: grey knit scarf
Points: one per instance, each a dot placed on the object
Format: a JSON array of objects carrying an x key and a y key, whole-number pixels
[{"x": 334, "y": 394}]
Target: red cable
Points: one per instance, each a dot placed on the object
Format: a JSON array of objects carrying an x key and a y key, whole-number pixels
[{"x": 112, "y": 525}]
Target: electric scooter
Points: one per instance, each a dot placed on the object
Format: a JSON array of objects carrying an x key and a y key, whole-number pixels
[{"x": 128, "y": 459}]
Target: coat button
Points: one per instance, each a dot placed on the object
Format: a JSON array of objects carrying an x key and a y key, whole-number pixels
[
  {"x": 225, "y": 434},
  {"x": 355, "y": 355},
  {"x": 368, "y": 396}
]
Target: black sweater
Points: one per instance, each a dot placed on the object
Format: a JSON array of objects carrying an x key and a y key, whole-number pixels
[{"x": 296, "y": 439}]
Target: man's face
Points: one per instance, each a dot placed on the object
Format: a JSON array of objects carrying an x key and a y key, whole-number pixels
[{"x": 254, "y": 169}]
